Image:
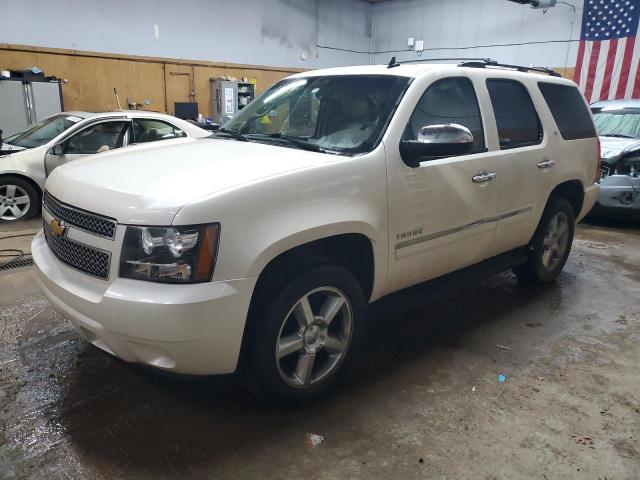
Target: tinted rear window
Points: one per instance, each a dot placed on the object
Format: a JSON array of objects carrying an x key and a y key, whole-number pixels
[
  {"x": 516, "y": 118},
  {"x": 569, "y": 111}
]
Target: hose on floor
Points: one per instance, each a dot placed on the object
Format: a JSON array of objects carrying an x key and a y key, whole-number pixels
[{"x": 15, "y": 255}]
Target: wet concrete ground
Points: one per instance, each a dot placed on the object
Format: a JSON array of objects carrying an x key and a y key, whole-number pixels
[{"x": 426, "y": 404}]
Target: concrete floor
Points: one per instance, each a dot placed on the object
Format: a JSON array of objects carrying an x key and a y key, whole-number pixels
[{"x": 426, "y": 404}]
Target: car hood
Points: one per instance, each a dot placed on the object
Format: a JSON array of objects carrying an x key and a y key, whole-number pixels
[
  {"x": 13, "y": 148},
  {"x": 613, "y": 148},
  {"x": 147, "y": 185}
]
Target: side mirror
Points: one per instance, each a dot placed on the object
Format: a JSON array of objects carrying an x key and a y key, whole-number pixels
[
  {"x": 445, "y": 140},
  {"x": 57, "y": 149}
]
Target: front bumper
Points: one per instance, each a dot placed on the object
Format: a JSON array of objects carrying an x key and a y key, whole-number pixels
[
  {"x": 619, "y": 196},
  {"x": 193, "y": 329}
]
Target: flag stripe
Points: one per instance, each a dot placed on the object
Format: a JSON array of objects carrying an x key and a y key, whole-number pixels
[
  {"x": 608, "y": 71},
  {"x": 585, "y": 66},
  {"x": 633, "y": 73},
  {"x": 626, "y": 65},
  {"x": 578, "y": 72},
  {"x": 593, "y": 65},
  {"x": 617, "y": 69},
  {"x": 599, "y": 76}
]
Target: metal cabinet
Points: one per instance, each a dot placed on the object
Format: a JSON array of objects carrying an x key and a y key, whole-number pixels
[
  {"x": 224, "y": 95},
  {"x": 24, "y": 102},
  {"x": 228, "y": 97}
]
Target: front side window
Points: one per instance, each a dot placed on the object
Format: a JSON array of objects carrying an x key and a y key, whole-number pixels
[
  {"x": 43, "y": 131},
  {"x": 618, "y": 122},
  {"x": 569, "y": 110},
  {"x": 97, "y": 138},
  {"x": 450, "y": 100},
  {"x": 150, "y": 130},
  {"x": 344, "y": 114},
  {"x": 516, "y": 117}
]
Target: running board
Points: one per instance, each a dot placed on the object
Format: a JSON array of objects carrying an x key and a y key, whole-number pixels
[{"x": 429, "y": 291}]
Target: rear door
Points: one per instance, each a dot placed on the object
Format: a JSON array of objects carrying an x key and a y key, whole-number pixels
[
  {"x": 523, "y": 164},
  {"x": 576, "y": 132},
  {"x": 442, "y": 212},
  {"x": 95, "y": 138}
]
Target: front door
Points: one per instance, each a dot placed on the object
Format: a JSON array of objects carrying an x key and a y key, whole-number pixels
[
  {"x": 95, "y": 138},
  {"x": 442, "y": 214}
]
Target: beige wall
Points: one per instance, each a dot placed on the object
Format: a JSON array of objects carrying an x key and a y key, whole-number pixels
[
  {"x": 566, "y": 72},
  {"x": 91, "y": 77}
]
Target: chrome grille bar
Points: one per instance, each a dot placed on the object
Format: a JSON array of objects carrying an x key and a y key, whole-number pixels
[
  {"x": 89, "y": 260},
  {"x": 87, "y": 221}
]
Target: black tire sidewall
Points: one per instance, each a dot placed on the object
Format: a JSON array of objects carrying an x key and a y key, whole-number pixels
[
  {"x": 33, "y": 193},
  {"x": 266, "y": 321},
  {"x": 541, "y": 274}
]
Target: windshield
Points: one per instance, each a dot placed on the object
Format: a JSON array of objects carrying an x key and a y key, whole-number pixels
[
  {"x": 344, "y": 114},
  {"x": 618, "y": 123},
  {"x": 43, "y": 131}
]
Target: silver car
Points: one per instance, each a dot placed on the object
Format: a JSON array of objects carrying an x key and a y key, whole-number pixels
[
  {"x": 618, "y": 124},
  {"x": 28, "y": 157}
]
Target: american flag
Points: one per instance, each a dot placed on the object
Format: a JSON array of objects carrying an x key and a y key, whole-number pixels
[{"x": 607, "y": 64}]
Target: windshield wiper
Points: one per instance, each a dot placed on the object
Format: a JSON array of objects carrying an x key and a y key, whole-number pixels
[
  {"x": 233, "y": 133},
  {"x": 298, "y": 142},
  {"x": 619, "y": 135}
]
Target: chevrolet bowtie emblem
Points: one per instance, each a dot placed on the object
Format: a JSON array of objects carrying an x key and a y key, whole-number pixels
[{"x": 57, "y": 228}]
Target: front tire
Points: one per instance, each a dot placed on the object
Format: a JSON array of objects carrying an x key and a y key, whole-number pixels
[
  {"x": 19, "y": 199},
  {"x": 550, "y": 245},
  {"x": 303, "y": 341}
]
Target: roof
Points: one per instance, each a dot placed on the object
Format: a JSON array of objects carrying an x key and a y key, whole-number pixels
[
  {"x": 190, "y": 128},
  {"x": 415, "y": 70},
  {"x": 118, "y": 113}
]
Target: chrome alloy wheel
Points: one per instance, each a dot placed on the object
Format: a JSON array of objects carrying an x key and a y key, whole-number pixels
[
  {"x": 14, "y": 202},
  {"x": 556, "y": 240},
  {"x": 314, "y": 337}
]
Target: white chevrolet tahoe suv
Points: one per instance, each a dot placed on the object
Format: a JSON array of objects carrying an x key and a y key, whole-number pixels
[{"x": 258, "y": 250}]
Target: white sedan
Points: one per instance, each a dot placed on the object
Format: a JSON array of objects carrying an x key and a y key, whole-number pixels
[{"x": 28, "y": 157}]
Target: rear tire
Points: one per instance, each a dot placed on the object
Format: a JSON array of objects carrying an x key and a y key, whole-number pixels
[
  {"x": 304, "y": 338},
  {"x": 19, "y": 199},
  {"x": 550, "y": 245}
]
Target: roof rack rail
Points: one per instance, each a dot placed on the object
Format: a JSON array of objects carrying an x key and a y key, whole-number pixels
[
  {"x": 394, "y": 63},
  {"x": 492, "y": 63},
  {"x": 477, "y": 63}
]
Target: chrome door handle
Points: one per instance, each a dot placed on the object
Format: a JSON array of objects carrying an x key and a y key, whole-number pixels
[
  {"x": 483, "y": 176},
  {"x": 546, "y": 163}
]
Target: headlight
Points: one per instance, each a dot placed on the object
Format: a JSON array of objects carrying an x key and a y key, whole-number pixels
[{"x": 170, "y": 255}]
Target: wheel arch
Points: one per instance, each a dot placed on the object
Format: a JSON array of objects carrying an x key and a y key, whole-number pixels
[
  {"x": 353, "y": 250},
  {"x": 24, "y": 177},
  {"x": 357, "y": 253},
  {"x": 9, "y": 173},
  {"x": 573, "y": 192}
]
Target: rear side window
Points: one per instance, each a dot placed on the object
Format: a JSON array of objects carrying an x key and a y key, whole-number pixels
[
  {"x": 569, "y": 110},
  {"x": 516, "y": 118},
  {"x": 150, "y": 130}
]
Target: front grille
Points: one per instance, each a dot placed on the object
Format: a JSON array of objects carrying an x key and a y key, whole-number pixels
[
  {"x": 91, "y": 222},
  {"x": 81, "y": 257}
]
